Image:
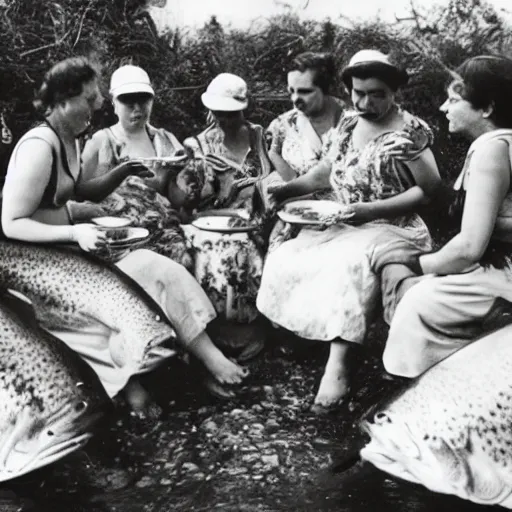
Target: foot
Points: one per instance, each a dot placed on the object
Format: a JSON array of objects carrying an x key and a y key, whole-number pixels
[
  {"x": 140, "y": 401},
  {"x": 333, "y": 388},
  {"x": 224, "y": 370}
]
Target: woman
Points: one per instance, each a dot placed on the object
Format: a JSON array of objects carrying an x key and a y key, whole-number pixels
[
  {"x": 298, "y": 136},
  {"x": 43, "y": 174},
  {"x": 320, "y": 285},
  {"x": 446, "y": 309},
  {"x": 150, "y": 200},
  {"x": 233, "y": 156}
]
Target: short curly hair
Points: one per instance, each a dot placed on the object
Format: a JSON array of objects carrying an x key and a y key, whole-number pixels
[{"x": 322, "y": 63}]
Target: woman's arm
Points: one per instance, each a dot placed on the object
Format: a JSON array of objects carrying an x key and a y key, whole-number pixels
[
  {"x": 281, "y": 166},
  {"x": 22, "y": 194},
  {"x": 488, "y": 183},
  {"x": 317, "y": 178},
  {"x": 426, "y": 176},
  {"x": 96, "y": 180}
]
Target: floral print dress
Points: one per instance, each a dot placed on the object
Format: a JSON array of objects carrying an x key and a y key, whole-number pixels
[
  {"x": 319, "y": 284},
  {"x": 228, "y": 265}
]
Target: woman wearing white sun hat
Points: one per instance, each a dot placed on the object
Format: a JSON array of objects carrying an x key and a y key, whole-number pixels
[{"x": 232, "y": 154}]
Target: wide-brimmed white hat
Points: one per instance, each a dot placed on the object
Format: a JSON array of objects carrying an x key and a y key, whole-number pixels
[
  {"x": 128, "y": 80},
  {"x": 373, "y": 60},
  {"x": 226, "y": 92}
]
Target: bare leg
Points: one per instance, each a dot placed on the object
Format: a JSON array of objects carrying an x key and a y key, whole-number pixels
[
  {"x": 335, "y": 383},
  {"x": 222, "y": 369}
]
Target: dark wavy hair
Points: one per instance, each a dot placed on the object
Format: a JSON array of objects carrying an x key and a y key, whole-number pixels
[
  {"x": 63, "y": 81},
  {"x": 322, "y": 63},
  {"x": 486, "y": 81}
]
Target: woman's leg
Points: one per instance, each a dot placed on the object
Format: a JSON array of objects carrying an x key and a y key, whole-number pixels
[
  {"x": 335, "y": 381},
  {"x": 186, "y": 305}
]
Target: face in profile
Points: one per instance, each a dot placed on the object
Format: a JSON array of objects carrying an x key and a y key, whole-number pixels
[
  {"x": 372, "y": 98},
  {"x": 134, "y": 110},
  {"x": 79, "y": 109},
  {"x": 461, "y": 115},
  {"x": 305, "y": 95},
  {"x": 228, "y": 118}
]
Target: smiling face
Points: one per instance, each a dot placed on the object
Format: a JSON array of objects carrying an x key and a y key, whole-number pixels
[
  {"x": 305, "y": 95},
  {"x": 79, "y": 109},
  {"x": 462, "y": 116},
  {"x": 133, "y": 110},
  {"x": 372, "y": 98}
]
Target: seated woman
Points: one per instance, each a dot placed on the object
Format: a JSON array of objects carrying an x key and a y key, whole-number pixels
[
  {"x": 145, "y": 200},
  {"x": 446, "y": 308},
  {"x": 43, "y": 174},
  {"x": 232, "y": 154},
  {"x": 298, "y": 136},
  {"x": 319, "y": 285}
]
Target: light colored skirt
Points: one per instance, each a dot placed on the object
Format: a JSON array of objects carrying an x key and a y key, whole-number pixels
[
  {"x": 440, "y": 315},
  {"x": 176, "y": 292},
  {"x": 228, "y": 266},
  {"x": 320, "y": 285}
]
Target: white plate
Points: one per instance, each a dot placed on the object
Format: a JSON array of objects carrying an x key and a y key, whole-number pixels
[
  {"x": 135, "y": 235},
  {"x": 221, "y": 224},
  {"x": 112, "y": 222},
  {"x": 164, "y": 159},
  {"x": 322, "y": 212}
]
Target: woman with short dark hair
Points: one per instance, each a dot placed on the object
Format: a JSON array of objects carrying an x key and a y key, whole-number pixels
[
  {"x": 446, "y": 309},
  {"x": 298, "y": 137},
  {"x": 379, "y": 164}
]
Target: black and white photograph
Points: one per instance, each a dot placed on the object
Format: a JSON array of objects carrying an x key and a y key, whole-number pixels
[{"x": 255, "y": 256}]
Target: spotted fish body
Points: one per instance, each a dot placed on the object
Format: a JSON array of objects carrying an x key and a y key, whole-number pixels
[
  {"x": 451, "y": 430},
  {"x": 71, "y": 290},
  {"x": 50, "y": 399}
]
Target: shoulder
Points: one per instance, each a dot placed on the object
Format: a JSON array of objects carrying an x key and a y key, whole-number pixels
[
  {"x": 99, "y": 138},
  {"x": 417, "y": 129},
  {"x": 288, "y": 118},
  {"x": 491, "y": 156}
]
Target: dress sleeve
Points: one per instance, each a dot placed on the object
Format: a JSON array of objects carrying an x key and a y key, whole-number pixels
[
  {"x": 415, "y": 138},
  {"x": 275, "y": 135}
]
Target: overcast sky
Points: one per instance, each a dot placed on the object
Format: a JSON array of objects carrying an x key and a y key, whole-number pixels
[{"x": 240, "y": 13}]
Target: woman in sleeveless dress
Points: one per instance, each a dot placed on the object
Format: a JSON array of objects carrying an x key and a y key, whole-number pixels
[
  {"x": 462, "y": 283},
  {"x": 44, "y": 174}
]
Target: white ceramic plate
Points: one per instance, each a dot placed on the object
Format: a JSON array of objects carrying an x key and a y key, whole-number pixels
[
  {"x": 164, "y": 159},
  {"x": 135, "y": 235},
  {"x": 222, "y": 224},
  {"x": 313, "y": 212},
  {"x": 112, "y": 222}
]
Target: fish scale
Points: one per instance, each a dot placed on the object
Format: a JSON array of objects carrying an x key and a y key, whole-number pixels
[
  {"x": 451, "y": 429},
  {"x": 70, "y": 289},
  {"x": 49, "y": 398}
]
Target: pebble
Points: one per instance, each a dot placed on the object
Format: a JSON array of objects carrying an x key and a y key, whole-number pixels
[
  {"x": 236, "y": 412},
  {"x": 165, "y": 481},
  {"x": 272, "y": 426},
  {"x": 189, "y": 467},
  {"x": 270, "y": 460},
  {"x": 145, "y": 481}
]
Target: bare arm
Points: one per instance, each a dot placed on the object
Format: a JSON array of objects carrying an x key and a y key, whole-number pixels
[
  {"x": 281, "y": 166},
  {"x": 488, "y": 183},
  {"x": 97, "y": 181},
  {"x": 317, "y": 178},
  {"x": 426, "y": 176},
  {"x": 22, "y": 219}
]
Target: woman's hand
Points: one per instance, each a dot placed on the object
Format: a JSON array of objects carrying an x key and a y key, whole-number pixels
[
  {"x": 232, "y": 191},
  {"x": 87, "y": 236},
  {"x": 133, "y": 168}
]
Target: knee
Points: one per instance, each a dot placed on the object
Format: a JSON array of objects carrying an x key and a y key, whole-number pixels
[{"x": 416, "y": 301}]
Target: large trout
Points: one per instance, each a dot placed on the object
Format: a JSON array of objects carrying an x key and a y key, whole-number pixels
[
  {"x": 451, "y": 430},
  {"x": 50, "y": 399},
  {"x": 70, "y": 289}
]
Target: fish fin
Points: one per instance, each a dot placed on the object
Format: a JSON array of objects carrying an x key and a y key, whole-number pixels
[{"x": 16, "y": 430}]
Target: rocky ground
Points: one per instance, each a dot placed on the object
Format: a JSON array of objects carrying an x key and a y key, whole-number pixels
[{"x": 262, "y": 452}]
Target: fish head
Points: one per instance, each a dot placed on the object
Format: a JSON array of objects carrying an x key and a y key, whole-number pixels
[
  {"x": 35, "y": 437},
  {"x": 447, "y": 464}
]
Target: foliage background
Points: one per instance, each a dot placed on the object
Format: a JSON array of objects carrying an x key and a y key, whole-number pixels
[{"x": 34, "y": 34}]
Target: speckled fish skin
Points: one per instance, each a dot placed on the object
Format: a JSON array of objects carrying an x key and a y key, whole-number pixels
[
  {"x": 71, "y": 289},
  {"x": 451, "y": 430},
  {"x": 50, "y": 400}
]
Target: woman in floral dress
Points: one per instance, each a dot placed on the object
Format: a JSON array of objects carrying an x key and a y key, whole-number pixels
[
  {"x": 231, "y": 154},
  {"x": 298, "y": 136},
  {"x": 320, "y": 284}
]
